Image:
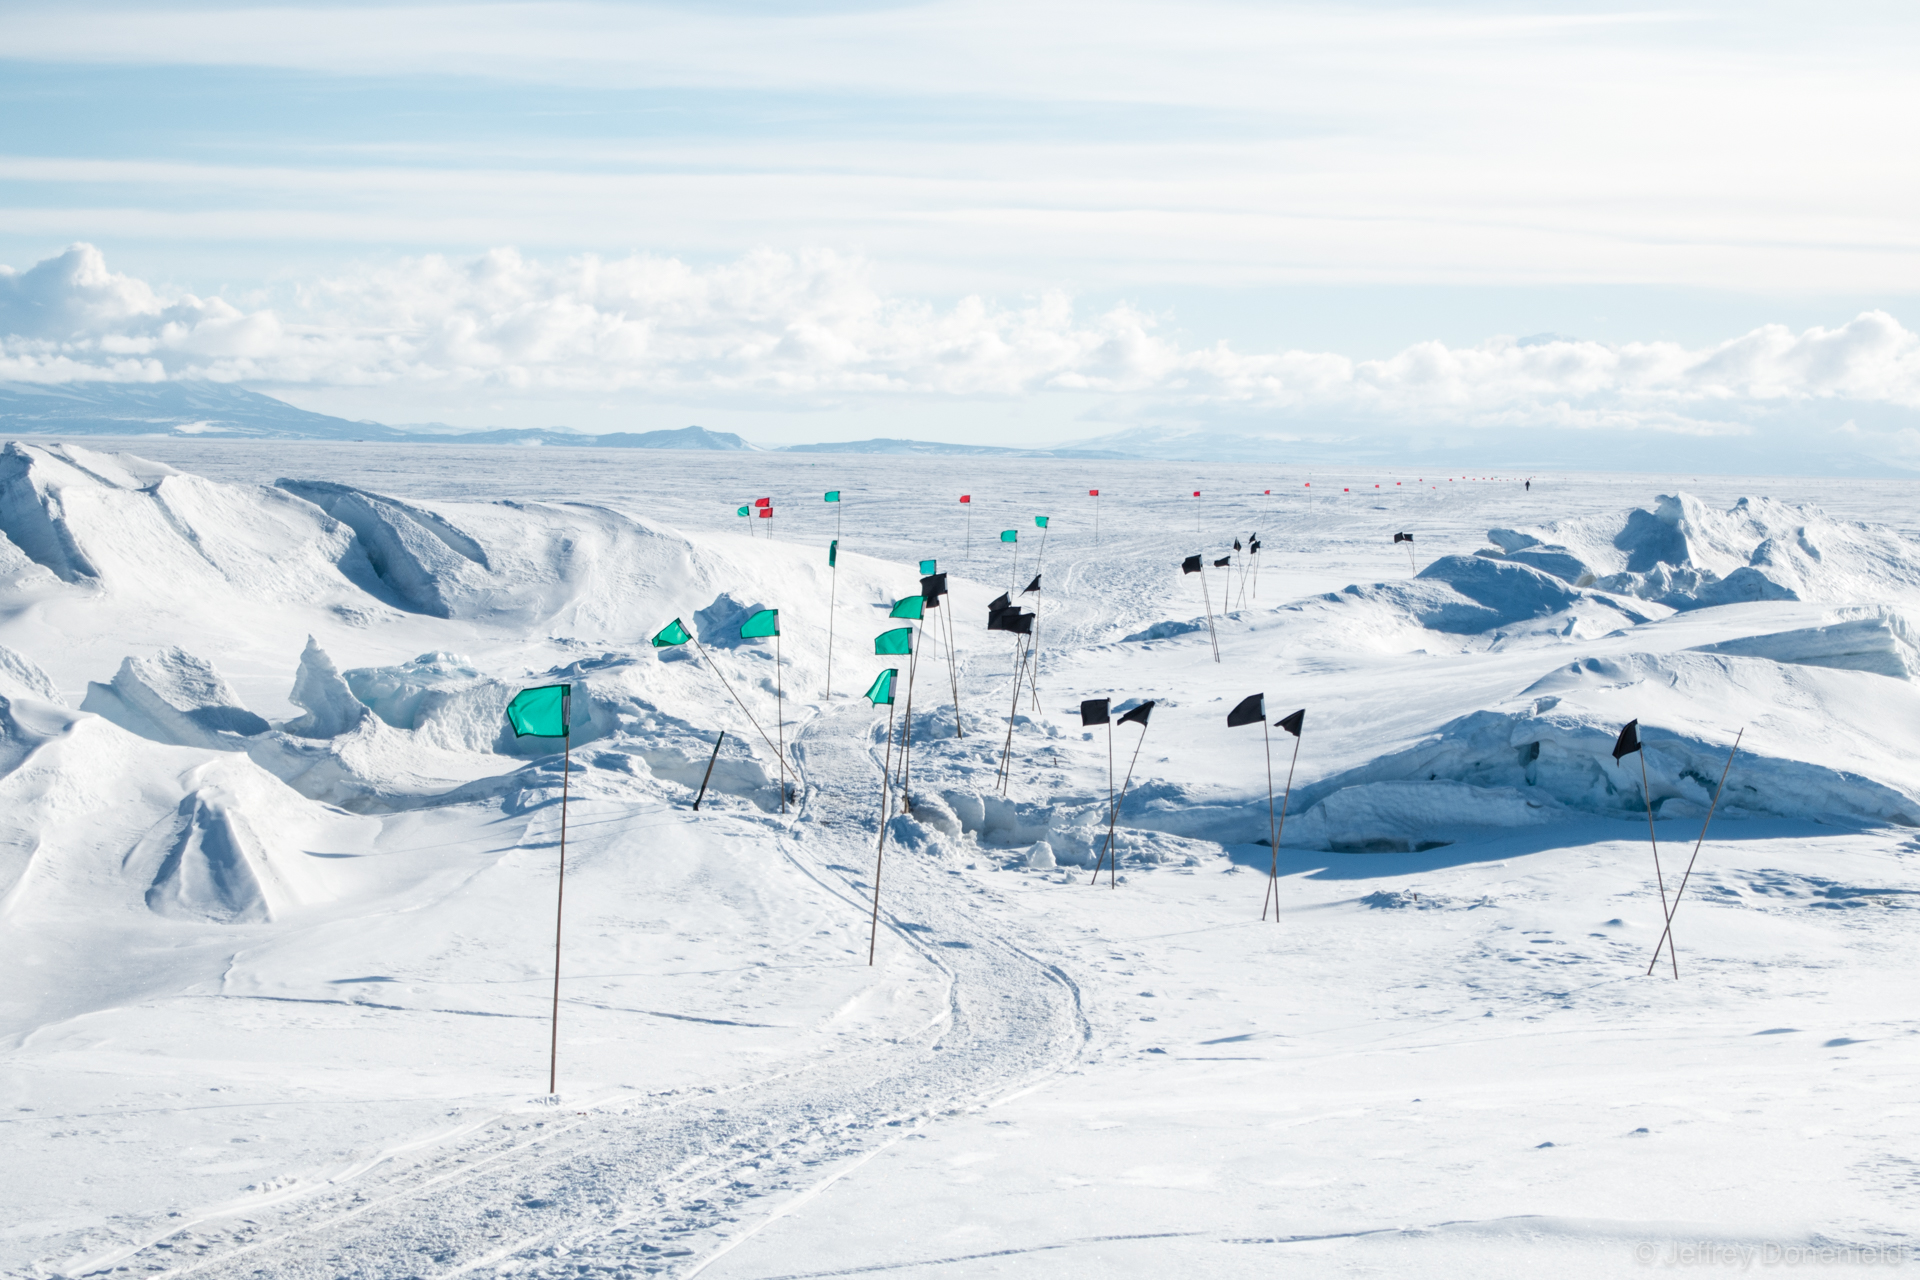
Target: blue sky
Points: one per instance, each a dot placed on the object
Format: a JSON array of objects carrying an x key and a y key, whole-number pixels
[{"x": 999, "y": 221}]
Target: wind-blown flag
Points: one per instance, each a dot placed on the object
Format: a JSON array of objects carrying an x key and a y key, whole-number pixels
[
  {"x": 1403, "y": 537},
  {"x": 1009, "y": 535},
  {"x": 898, "y": 641},
  {"x": 932, "y": 587},
  {"x": 1252, "y": 710},
  {"x": 761, "y": 625},
  {"x": 539, "y": 713},
  {"x": 1093, "y": 711},
  {"x": 1629, "y": 740},
  {"x": 833, "y": 552},
  {"x": 833, "y": 495},
  {"x": 743, "y": 511},
  {"x": 880, "y": 692},
  {"x": 1223, "y": 562},
  {"x": 929, "y": 567},
  {"x": 763, "y": 502},
  {"x": 1293, "y": 724},
  {"x": 966, "y": 497},
  {"x": 766, "y": 513},
  {"x": 1040, "y": 522},
  {"x": 1032, "y": 586},
  {"x": 671, "y": 634},
  {"x": 1138, "y": 715},
  {"x": 1253, "y": 548},
  {"x": 1021, "y": 624},
  {"x": 1190, "y": 565},
  {"x": 1001, "y": 604},
  {"x": 1196, "y": 493},
  {"x": 1093, "y": 493},
  {"x": 1236, "y": 544},
  {"x": 914, "y": 607}
]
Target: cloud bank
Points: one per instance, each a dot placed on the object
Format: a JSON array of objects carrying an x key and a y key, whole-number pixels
[{"x": 812, "y": 329}]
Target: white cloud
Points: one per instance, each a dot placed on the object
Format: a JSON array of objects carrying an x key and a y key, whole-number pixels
[{"x": 798, "y": 330}]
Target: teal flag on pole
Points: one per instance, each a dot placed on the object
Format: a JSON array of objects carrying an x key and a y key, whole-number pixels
[
  {"x": 833, "y": 495},
  {"x": 1041, "y": 521},
  {"x": 897, "y": 641},
  {"x": 761, "y": 625},
  {"x": 833, "y": 552},
  {"x": 742, "y": 511},
  {"x": 880, "y": 692},
  {"x": 671, "y": 634},
  {"x": 910, "y": 607},
  {"x": 1009, "y": 535},
  {"x": 539, "y": 713},
  {"x": 929, "y": 567}
]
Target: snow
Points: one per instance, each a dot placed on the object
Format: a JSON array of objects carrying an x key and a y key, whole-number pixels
[{"x": 278, "y": 881}]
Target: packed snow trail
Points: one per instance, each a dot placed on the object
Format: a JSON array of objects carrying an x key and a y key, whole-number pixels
[{"x": 657, "y": 1188}]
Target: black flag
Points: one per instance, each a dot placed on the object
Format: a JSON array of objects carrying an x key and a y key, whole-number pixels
[
  {"x": 933, "y": 586},
  {"x": 1292, "y": 724},
  {"x": 1236, "y": 544},
  {"x": 1403, "y": 537},
  {"x": 1138, "y": 715},
  {"x": 1252, "y": 710},
  {"x": 1629, "y": 740},
  {"x": 1223, "y": 562},
  {"x": 1253, "y": 548},
  {"x": 1034, "y": 585},
  {"x": 1190, "y": 565},
  {"x": 1021, "y": 624},
  {"x": 1092, "y": 712}
]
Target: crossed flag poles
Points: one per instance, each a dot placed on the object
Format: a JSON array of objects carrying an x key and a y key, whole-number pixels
[
  {"x": 766, "y": 622},
  {"x": 1004, "y": 615},
  {"x": 1192, "y": 564},
  {"x": 1254, "y": 708},
  {"x": 1628, "y": 743},
  {"x": 1092, "y": 712}
]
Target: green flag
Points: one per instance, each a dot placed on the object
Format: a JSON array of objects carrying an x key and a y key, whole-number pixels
[
  {"x": 833, "y": 495},
  {"x": 880, "y": 693},
  {"x": 539, "y": 713},
  {"x": 897, "y": 641},
  {"x": 833, "y": 552},
  {"x": 929, "y": 568},
  {"x": 911, "y": 607},
  {"x": 1009, "y": 535},
  {"x": 741, "y": 512},
  {"x": 1041, "y": 521},
  {"x": 761, "y": 625},
  {"x": 671, "y": 634}
]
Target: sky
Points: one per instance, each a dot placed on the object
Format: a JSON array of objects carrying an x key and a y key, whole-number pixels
[{"x": 1581, "y": 227}]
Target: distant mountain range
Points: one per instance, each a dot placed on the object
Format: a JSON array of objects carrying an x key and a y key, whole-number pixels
[{"x": 219, "y": 411}]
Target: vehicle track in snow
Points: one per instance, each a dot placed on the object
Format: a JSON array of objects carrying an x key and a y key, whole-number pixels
[{"x": 661, "y": 1188}]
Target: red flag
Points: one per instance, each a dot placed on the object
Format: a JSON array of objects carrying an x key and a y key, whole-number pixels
[
  {"x": 966, "y": 497},
  {"x": 1266, "y": 491},
  {"x": 1196, "y": 493},
  {"x": 763, "y": 502},
  {"x": 1093, "y": 493},
  {"x": 766, "y": 513}
]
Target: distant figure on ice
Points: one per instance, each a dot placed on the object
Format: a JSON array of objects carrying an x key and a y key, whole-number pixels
[{"x": 1529, "y": 486}]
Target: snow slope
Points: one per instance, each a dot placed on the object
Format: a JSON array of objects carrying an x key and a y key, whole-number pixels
[{"x": 278, "y": 883}]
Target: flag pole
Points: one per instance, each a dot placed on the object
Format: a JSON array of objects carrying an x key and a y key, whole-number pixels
[
  {"x": 953, "y": 671},
  {"x": 906, "y": 736},
  {"x": 1019, "y": 667},
  {"x": 833, "y": 592},
  {"x": 1646, "y": 794},
  {"x": 780, "y": 717},
  {"x": 1273, "y": 835},
  {"x": 1113, "y": 867},
  {"x": 713, "y": 667},
  {"x": 880, "y": 854},
  {"x": 560, "y": 892},
  {"x": 1666, "y": 934},
  {"x": 1273, "y": 878},
  {"x": 1208, "y": 597},
  {"x": 709, "y": 774}
]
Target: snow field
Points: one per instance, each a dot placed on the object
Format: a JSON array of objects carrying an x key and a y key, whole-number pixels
[{"x": 283, "y": 885}]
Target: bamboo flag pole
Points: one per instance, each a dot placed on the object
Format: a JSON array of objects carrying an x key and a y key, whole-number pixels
[
  {"x": 780, "y": 716},
  {"x": 1293, "y": 724},
  {"x": 709, "y": 774},
  {"x": 1628, "y": 743},
  {"x": 1208, "y": 597},
  {"x": 886, "y": 806},
  {"x": 833, "y": 591},
  {"x": 676, "y": 633},
  {"x": 966, "y": 500},
  {"x": 1140, "y": 715},
  {"x": 1666, "y": 935},
  {"x": 1040, "y": 565},
  {"x": 953, "y": 673},
  {"x": 547, "y": 712},
  {"x": 906, "y": 737},
  {"x": 1019, "y": 667}
]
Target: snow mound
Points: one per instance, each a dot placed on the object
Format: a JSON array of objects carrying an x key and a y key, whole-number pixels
[
  {"x": 178, "y": 698},
  {"x": 1885, "y": 643},
  {"x": 1472, "y": 595},
  {"x": 21, "y": 676},
  {"x": 330, "y": 705},
  {"x": 209, "y": 860},
  {"x": 1688, "y": 556},
  {"x": 1552, "y": 751}
]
